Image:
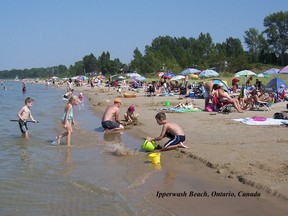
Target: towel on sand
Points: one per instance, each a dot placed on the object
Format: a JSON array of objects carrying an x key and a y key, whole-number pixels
[{"x": 268, "y": 121}]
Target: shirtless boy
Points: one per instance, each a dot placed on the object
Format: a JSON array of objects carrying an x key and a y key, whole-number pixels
[
  {"x": 24, "y": 114},
  {"x": 112, "y": 112},
  {"x": 170, "y": 130}
]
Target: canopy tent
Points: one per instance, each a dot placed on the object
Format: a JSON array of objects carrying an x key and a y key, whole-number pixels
[
  {"x": 275, "y": 84},
  {"x": 218, "y": 81},
  {"x": 284, "y": 70}
]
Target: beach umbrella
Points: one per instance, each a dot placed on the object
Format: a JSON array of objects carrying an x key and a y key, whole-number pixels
[
  {"x": 178, "y": 77},
  {"x": 132, "y": 74},
  {"x": 54, "y": 78},
  {"x": 117, "y": 77},
  {"x": 190, "y": 71},
  {"x": 193, "y": 76},
  {"x": 169, "y": 75},
  {"x": 139, "y": 78},
  {"x": 208, "y": 73},
  {"x": 284, "y": 70},
  {"x": 271, "y": 71},
  {"x": 263, "y": 75},
  {"x": 160, "y": 74},
  {"x": 81, "y": 77},
  {"x": 245, "y": 73},
  {"x": 101, "y": 77}
]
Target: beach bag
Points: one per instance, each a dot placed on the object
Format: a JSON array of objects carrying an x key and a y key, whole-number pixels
[
  {"x": 227, "y": 109},
  {"x": 209, "y": 107},
  {"x": 281, "y": 115}
]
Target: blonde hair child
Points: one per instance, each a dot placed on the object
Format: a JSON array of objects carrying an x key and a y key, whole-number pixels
[{"x": 68, "y": 120}]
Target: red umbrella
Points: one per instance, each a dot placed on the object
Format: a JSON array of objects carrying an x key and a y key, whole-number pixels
[
  {"x": 160, "y": 74},
  {"x": 234, "y": 80}
]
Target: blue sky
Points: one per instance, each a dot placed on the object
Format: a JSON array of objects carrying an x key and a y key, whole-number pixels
[{"x": 45, "y": 33}]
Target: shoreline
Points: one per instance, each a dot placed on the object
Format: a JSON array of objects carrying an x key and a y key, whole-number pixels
[{"x": 216, "y": 152}]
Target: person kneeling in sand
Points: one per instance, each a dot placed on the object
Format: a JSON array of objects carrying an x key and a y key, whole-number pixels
[
  {"x": 131, "y": 115},
  {"x": 112, "y": 112},
  {"x": 170, "y": 130}
]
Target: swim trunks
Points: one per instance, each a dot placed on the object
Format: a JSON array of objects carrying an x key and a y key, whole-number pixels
[
  {"x": 174, "y": 139},
  {"x": 110, "y": 124},
  {"x": 23, "y": 126}
]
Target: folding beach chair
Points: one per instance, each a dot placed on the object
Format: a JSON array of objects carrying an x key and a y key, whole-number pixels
[{"x": 265, "y": 105}]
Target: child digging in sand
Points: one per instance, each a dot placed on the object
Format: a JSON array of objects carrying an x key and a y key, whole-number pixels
[
  {"x": 68, "y": 120},
  {"x": 130, "y": 115},
  {"x": 170, "y": 130}
]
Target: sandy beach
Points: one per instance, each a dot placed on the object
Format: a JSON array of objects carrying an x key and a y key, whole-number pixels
[{"x": 254, "y": 155}]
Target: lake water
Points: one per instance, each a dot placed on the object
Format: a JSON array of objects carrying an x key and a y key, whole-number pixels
[{"x": 38, "y": 178}]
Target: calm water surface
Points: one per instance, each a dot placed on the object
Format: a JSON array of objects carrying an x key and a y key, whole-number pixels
[{"x": 38, "y": 178}]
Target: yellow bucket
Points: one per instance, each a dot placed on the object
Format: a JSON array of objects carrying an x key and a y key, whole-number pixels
[{"x": 155, "y": 157}]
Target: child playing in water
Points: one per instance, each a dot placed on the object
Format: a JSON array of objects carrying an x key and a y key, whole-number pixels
[
  {"x": 24, "y": 114},
  {"x": 130, "y": 115},
  {"x": 68, "y": 120},
  {"x": 170, "y": 130}
]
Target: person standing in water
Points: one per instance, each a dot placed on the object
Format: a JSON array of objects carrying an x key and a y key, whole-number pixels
[
  {"x": 24, "y": 114},
  {"x": 68, "y": 120},
  {"x": 23, "y": 87}
]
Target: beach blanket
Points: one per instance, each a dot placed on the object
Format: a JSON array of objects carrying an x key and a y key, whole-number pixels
[
  {"x": 268, "y": 121},
  {"x": 173, "y": 109}
]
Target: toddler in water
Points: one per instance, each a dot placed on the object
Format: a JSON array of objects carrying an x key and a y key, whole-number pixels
[
  {"x": 130, "y": 115},
  {"x": 81, "y": 97},
  {"x": 68, "y": 120}
]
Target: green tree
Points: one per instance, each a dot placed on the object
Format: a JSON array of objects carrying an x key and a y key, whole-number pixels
[
  {"x": 137, "y": 62},
  {"x": 89, "y": 63},
  {"x": 277, "y": 33},
  {"x": 255, "y": 43}
]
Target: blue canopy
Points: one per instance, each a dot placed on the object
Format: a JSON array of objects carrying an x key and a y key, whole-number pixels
[
  {"x": 218, "y": 81},
  {"x": 275, "y": 84}
]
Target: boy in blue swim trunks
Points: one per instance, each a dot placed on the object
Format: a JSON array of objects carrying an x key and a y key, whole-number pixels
[{"x": 170, "y": 130}]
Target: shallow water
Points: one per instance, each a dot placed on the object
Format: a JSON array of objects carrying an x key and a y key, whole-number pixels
[{"x": 88, "y": 178}]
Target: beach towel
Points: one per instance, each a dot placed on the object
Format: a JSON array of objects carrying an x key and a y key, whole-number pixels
[
  {"x": 173, "y": 109},
  {"x": 268, "y": 121}
]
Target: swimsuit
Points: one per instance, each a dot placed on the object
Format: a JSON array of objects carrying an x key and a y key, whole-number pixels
[
  {"x": 23, "y": 126},
  {"x": 110, "y": 124},
  {"x": 174, "y": 139},
  {"x": 70, "y": 116}
]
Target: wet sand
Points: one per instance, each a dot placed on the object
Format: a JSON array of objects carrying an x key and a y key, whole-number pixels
[{"x": 253, "y": 157}]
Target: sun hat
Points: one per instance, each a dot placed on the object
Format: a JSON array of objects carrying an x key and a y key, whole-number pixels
[
  {"x": 131, "y": 108},
  {"x": 282, "y": 86},
  {"x": 117, "y": 100}
]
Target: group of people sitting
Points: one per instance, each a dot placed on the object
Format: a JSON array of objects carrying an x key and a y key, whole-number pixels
[{"x": 246, "y": 99}]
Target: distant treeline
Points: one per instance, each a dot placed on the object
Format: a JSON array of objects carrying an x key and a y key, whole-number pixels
[{"x": 175, "y": 54}]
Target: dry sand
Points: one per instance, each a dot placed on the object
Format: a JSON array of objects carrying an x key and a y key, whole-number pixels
[{"x": 253, "y": 155}]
